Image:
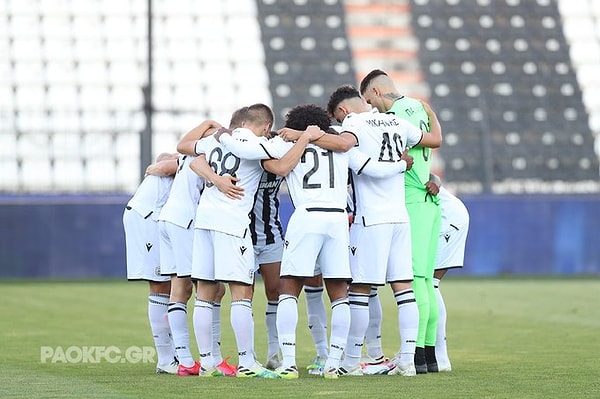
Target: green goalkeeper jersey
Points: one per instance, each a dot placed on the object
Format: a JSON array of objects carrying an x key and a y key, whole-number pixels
[{"x": 411, "y": 110}]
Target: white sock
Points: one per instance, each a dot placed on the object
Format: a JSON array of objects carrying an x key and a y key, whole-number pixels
[
  {"x": 340, "y": 325},
  {"x": 181, "y": 333},
  {"x": 271, "y": 322},
  {"x": 441, "y": 350},
  {"x": 359, "y": 320},
  {"x": 216, "y": 332},
  {"x": 203, "y": 330},
  {"x": 243, "y": 329},
  {"x": 317, "y": 318},
  {"x": 373, "y": 334},
  {"x": 408, "y": 323},
  {"x": 287, "y": 320},
  {"x": 159, "y": 325}
]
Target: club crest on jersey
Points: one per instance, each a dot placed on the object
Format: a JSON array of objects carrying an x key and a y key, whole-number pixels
[{"x": 148, "y": 246}]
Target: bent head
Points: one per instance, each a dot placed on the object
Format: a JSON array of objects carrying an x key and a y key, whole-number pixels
[
  {"x": 378, "y": 90},
  {"x": 259, "y": 118},
  {"x": 345, "y": 100},
  {"x": 302, "y": 116}
]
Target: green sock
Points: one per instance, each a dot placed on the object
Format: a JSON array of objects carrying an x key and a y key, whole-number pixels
[{"x": 434, "y": 314}]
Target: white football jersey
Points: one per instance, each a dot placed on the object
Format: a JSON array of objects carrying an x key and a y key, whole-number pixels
[
  {"x": 216, "y": 211},
  {"x": 151, "y": 195},
  {"x": 383, "y": 138},
  {"x": 181, "y": 205},
  {"x": 320, "y": 178}
]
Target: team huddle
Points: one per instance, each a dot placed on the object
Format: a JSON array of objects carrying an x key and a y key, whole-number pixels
[{"x": 208, "y": 216}]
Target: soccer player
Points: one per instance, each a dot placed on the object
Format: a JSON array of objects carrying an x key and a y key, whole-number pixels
[
  {"x": 176, "y": 238},
  {"x": 423, "y": 209},
  {"x": 380, "y": 236},
  {"x": 450, "y": 255},
  {"x": 267, "y": 241},
  {"x": 317, "y": 232},
  {"x": 187, "y": 146},
  {"x": 222, "y": 243},
  {"x": 143, "y": 257}
]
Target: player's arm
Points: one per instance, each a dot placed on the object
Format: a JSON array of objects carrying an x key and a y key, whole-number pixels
[
  {"x": 284, "y": 165},
  {"x": 252, "y": 148},
  {"x": 187, "y": 144},
  {"x": 433, "y": 139},
  {"x": 225, "y": 183},
  {"x": 334, "y": 142},
  {"x": 166, "y": 167},
  {"x": 361, "y": 163}
]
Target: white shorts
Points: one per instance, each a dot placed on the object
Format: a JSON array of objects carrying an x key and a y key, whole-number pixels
[
  {"x": 451, "y": 247},
  {"x": 142, "y": 247},
  {"x": 175, "y": 249},
  {"x": 268, "y": 253},
  {"x": 454, "y": 227},
  {"x": 380, "y": 253},
  {"x": 222, "y": 257},
  {"x": 317, "y": 237}
]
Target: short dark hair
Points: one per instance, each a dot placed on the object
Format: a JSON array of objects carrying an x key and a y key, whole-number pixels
[
  {"x": 369, "y": 78},
  {"x": 238, "y": 117},
  {"x": 340, "y": 94},
  {"x": 260, "y": 113},
  {"x": 302, "y": 116}
]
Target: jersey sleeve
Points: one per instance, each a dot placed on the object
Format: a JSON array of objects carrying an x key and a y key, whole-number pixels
[
  {"x": 413, "y": 134},
  {"x": 361, "y": 163},
  {"x": 202, "y": 145}
]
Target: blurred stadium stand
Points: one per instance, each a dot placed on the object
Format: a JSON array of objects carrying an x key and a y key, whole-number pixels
[
  {"x": 518, "y": 98},
  {"x": 515, "y": 84}
]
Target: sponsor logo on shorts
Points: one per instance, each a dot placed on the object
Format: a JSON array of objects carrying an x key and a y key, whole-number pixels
[
  {"x": 148, "y": 246},
  {"x": 243, "y": 249},
  {"x": 447, "y": 237},
  {"x": 353, "y": 250}
]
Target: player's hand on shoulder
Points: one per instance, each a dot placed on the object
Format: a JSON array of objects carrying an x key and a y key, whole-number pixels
[
  {"x": 408, "y": 159},
  {"x": 220, "y": 131},
  {"x": 314, "y": 133},
  {"x": 288, "y": 134}
]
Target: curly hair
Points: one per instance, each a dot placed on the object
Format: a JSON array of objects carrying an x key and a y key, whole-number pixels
[
  {"x": 340, "y": 94},
  {"x": 302, "y": 116},
  {"x": 369, "y": 78}
]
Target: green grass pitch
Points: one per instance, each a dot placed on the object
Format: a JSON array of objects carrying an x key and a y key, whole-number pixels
[{"x": 508, "y": 338}]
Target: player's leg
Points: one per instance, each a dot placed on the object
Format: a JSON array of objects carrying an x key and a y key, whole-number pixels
[
  {"x": 270, "y": 275},
  {"x": 421, "y": 220},
  {"x": 400, "y": 276},
  {"x": 451, "y": 253},
  {"x": 432, "y": 322},
  {"x": 441, "y": 350},
  {"x": 334, "y": 263},
  {"x": 337, "y": 290},
  {"x": 358, "y": 298},
  {"x": 143, "y": 263},
  {"x": 222, "y": 364},
  {"x": 287, "y": 321},
  {"x": 317, "y": 322},
  {"x": 181, "y": 291},
  {"x": 158, "y": 301},
  {"x": 235, "y": 264},
  {"x": 373, "y": 335}
]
